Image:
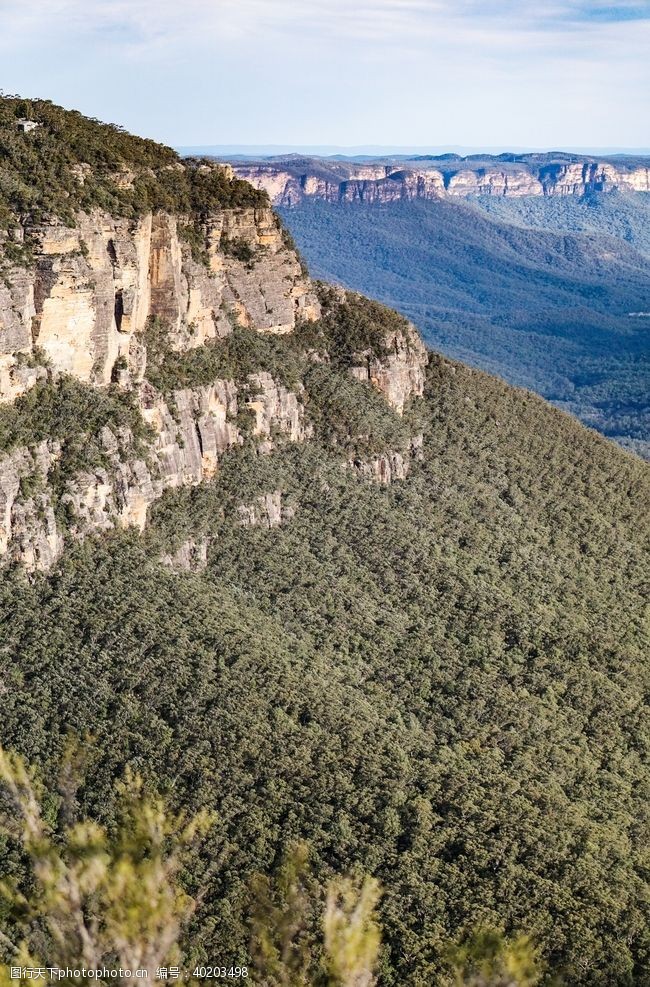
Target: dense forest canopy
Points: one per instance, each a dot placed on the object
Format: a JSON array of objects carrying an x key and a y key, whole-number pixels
[
  {"x": 439, "y": 682},
  {"x": 539, "y": 290}
]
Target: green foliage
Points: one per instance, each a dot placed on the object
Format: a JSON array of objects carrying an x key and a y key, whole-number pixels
[
  {"x": 67, "y": 410},
  {"x": 96, "y": 899},
  {"x": 17, "y": 254},
  {"x": 283, "y": 922},
  {"x": 235, "y": 357},
  {"x": 209, "y": 188},
  {"x": 352, "y": 936},
  {"x": 192, "y": 235},
  {"x": 238, "y": 248},
  {"x": 72, "y": 413},
  {"x": 352, "y": 414},
  {"x": 70, "y": 163},
  {"x": 488, "y": 959},
  {"x": 286, "y": 945},
  {"x": 290, "y": 244},
  {"x": 624, "y": 215},
  {"x": 342, "y": 410},
  {"x": 353, "y": 325},
  {"x": 114, "y": 900},
  {"x": 440, "y": 683}
]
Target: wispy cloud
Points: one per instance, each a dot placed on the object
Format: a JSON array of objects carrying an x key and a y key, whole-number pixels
[
  {"x": 601, "y": 11},
  {"x": 265, "y": 65},
  {"x": 167, "y": 22}
]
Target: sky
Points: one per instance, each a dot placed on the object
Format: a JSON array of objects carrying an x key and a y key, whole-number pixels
[{"x": 495, "y": 74}]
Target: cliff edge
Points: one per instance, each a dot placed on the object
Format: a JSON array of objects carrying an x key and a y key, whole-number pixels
[{"x": 135, "y": 295}]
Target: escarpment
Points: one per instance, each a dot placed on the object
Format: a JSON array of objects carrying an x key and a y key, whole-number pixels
[
  {"x": 154, "y": 314},
  {"x": 176, "y": 430},
  {"x": 84, "y": 300},
  {"x": 288, "y": 183},
  {"x": 139, "y": 344}
]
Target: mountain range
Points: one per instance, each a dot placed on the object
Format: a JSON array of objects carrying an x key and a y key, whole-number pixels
[{"x": 292, "y": 179}]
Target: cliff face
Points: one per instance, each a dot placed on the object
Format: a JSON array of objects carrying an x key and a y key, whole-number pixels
[
  {"x": 189, "y": 433},
  {"x": 147, "y": 313},
  {"x": 82, "y": 308},
  {"x": 287, "y": 186},
  {"x": 91, "y": 289},
  {"x": 398, "y": 373}
]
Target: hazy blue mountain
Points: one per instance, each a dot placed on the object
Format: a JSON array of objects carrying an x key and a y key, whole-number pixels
[{"x": 539, "y": 291}]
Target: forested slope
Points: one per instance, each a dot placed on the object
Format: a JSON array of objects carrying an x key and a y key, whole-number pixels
[
  {"x": 440, "y": 681},
  {"x": 540, "y": 291},
  {"x": 263, "y": 550}
]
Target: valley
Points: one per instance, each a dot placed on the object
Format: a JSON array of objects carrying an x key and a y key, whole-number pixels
[{"x": 532, "y": 268}]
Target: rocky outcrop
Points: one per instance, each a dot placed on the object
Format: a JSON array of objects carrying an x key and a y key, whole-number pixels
[
  {"x": 83, "y": 301},
  {"x": 388, "y": 467},
  {"x": 266, "y": 511},
  {"x": 28, "y": 528},
  {"x": 276, "y": 409},
  {"x": 190, "y": 556},
  {"x": 398, "y": 374},
  {"x": 190, "y": 432},
  {"x": 288, "y": 185},
  {"x": 384, "y": 468}
]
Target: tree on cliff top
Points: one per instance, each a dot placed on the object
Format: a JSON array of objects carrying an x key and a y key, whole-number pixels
[{"x": 72, "y": 163}]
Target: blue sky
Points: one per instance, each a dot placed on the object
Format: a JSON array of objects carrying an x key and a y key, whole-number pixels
[{"x": 493, "y": 73}]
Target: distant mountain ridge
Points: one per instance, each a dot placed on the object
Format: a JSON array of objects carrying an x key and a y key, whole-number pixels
[
  {"x": 292, "y": 179},
  {"x": 365, "y": 152}
]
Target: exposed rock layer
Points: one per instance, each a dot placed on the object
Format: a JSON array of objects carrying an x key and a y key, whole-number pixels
[
  {"x": 190, "y": 433},
  {"x": 82, "y": 309},
  {"x": 399, "y": 373},
  {"x": 288, "y": 185},
  {"x": 88, "y": 295}
]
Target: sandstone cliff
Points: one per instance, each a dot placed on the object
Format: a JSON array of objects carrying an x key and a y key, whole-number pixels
[
  {"x": 189, "y": 433},
  {"x": 288, "y": 184},
  {"x": 82, "y": 309},
  {"x": 85, "y": 300},
  {"x": 398, "y": 373}
]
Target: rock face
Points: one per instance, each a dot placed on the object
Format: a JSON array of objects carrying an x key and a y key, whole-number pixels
[
  {"x": 387, "y": 467},
  {"x": 275, "y": 408},
  {"x": 82, "y": 307},
  {"x": 288, "y": 184},
  {"x": 191, "y": 556},
  {"x": 28, "y": 529},
  {"x": 383, "y": 468},
  {"x": 92, "y": 288},
  {"x": 399, "y": 373},
  {"x": 190, "y": 432},
  {"x": 266, "y": 511}
]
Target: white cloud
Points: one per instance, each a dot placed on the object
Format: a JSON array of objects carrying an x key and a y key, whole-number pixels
[
  {"x": 564, "y": 71},
  {"x": 168, "y": 23}
]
